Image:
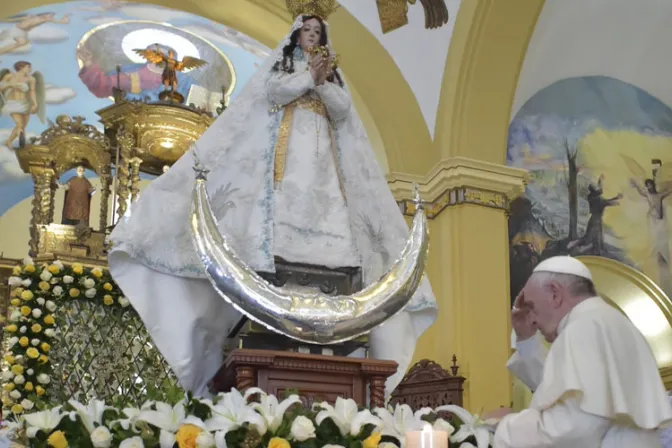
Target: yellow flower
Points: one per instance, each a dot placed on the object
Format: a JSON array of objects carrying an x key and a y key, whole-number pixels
[
  {"x": 17, "y": 369},
  {"x": 372, "y": 441},
  {"x": 186, "y": 436},
  {"x": 17, "y": 291},
  {"x": 57, "y": 440},
  {"x": 36, "y": 328},
  {"x": 107, "y": 300},
  {"x": 97, "y": 272},
  {"x": 7, "y": 401},
  {"x": 11, "y": 328},
  {"x": 74, "y": 292},
  {"x": 17, "y": 409},
  {"x": 28, "y": 386},
  {"x": 15, "y": 302},
  {"x": 107, "y": 286},
  {"x": 27, "y": 295},
  {"x": 9, "y": 358},
  {"x": 29, "y": 268},
  {"x": 44, "y": 286},
  {"x": 54, "y": 269},
  {"x": 32, "y": 353},
  {"x": 16, "y": 270},
  {"x": 49, "y": 319},
  {"x": 43, "y": 359},
  {"x": 45, "y": 347},
  {"x": 39, "y": 390},
  {"x": 25, "y": 310},
  {"x": 8, "y": 387},
  {"x": 23, "y": 342},
  {"x": 77, "y": 268},
  {"x": 278, "y": 442}
]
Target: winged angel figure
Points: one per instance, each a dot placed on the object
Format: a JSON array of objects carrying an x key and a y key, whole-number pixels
[
  {"x": 22, "y": 94},
  {"x": 170, "y": 64},
  {"x": 393, "y": 14},
  {"x": 655, "y": 188},
  {"x": 436, "y": 12}
]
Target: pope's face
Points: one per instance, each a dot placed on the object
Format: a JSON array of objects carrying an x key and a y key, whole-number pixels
[
  {"x": 310, "y": 34},
  {"x": 541, "y": 300}
]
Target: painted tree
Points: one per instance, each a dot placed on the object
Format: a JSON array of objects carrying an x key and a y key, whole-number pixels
[{"x": 572, "y": 190}]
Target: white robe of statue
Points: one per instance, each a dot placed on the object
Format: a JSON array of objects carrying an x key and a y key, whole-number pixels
[
  {"x": 292, "y": 174},
  {"x": 598, "y": 386}
]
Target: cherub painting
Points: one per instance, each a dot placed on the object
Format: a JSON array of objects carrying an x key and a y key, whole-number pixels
[
  {"x": 17, "y": 37},
  {"x": 22, "y": 94}
]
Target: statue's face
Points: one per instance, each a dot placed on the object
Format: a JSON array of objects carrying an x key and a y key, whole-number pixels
[
  {"x": 310, "y": 34},
  {"x": 80, "y": 171}
]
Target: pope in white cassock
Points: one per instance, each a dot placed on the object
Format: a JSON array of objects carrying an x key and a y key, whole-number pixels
[
  {"x": 598, "y": 385},
  {"x": 292, "y": 175}
]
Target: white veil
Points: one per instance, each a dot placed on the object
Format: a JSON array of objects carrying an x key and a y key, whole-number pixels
[{"x": 155, "y": 264}]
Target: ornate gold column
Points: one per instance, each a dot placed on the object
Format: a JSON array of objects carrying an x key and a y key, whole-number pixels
[
  {"x": 43, "y": 202},
  {"x": 135, "y": 177},
  {"x": 105, "y": 185},
  {"x": 469, "y": 270},
  {"x": 125, "y": 141}
]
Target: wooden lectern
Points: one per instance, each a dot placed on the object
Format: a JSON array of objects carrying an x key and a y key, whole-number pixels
[{"x": 316, "y": 377}]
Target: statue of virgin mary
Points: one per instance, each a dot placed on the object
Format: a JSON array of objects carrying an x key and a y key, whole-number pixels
[{"x": 292, "y": 175}]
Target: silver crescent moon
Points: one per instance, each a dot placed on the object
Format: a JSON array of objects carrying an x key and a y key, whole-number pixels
[{"x": 313, "y": 318}]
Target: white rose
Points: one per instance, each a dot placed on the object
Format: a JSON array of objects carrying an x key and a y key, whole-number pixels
[
  {"x": 40, "y": 301},
  {"x": 43, "y": 378},
  {"x": 58, "y": 264},
  {"x": 90, "y": 293},
  {"x": 15, "y": 394},
  {"x": 27, "y": 282},
  {"x": 15, "y": 281},
  {"x": 302, "y": 429},
  {"x": 37, "y": 313},
  {"x": 442, "y": 425},
  {"x": 57, "y": 291},
  {"x": 27, "y": 404},
  {"x": 89, "y": 283},
  {"x": 205, "y": 440},
  {"x": 50, "y": 332},
  {"x": 45, "y": 276},
  {"x": 15, "y": 316},
  {"x": 101, "y": 437},
  {"x": 123, "y": 301},
  {"x": 133, "y": 442},
  {"x": 23, "y": 329},
  {"x": 12, "y": 341},
  {"x": 30, "y": 372},
  {"x": 19, "y": 379},
  {"x": 67, "y": 279},
  {"x": 51, "y": 306},
  {"x": 35, "y": 342},
  {"x": 54, "y": 280},
  {"x": 28, "y": 260},
  {"x": 7, "y": 375},
  {"x": 18, "y": 358}
]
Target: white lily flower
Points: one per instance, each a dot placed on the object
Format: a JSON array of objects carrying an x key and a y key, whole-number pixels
[
  {"x": 346, "y": 415},
  {"x": 402, "y": 420},
  {"x": 91, "y": 415},
  {"x": 166, "y": 439},
  {"x": 268, "y": 407},
  {"x": 472, "y": 425},
  {"x": 44, "y": 420},
  {"x": 166, "y": 417},
  {"x": 132, "y": 415},
  {"x": 231, "y": 412},
  {"x": 10, "y": 429}
]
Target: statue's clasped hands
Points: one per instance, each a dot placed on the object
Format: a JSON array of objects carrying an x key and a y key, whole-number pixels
[{"x": 321, "y": 68}]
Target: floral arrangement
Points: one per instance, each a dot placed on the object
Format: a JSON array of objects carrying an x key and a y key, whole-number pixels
[
  {"x": 36, "y": 293},
  {"x": 232, "y": 420}
]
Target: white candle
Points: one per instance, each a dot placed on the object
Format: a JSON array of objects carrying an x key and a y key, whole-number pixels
[{"x": 427, "y": 438}]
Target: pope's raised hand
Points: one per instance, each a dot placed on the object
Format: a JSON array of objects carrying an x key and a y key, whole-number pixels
[{"x": 522, "y": 320}]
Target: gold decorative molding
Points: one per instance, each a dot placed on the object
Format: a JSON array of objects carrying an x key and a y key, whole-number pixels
[
  {"x": 459, "y": 180},
  {"x": 70, "y": 243}
]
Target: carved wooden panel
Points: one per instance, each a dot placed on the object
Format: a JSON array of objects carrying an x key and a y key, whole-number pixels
[{"x": 428, "y": 384}]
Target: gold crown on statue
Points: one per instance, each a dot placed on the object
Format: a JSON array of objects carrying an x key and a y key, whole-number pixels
[{"x": 319, "y": 8}]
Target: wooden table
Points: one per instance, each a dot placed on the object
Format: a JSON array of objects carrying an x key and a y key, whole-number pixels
[{"x": 316, "y": 377}]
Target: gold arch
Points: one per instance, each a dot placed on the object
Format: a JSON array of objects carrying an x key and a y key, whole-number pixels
[{"x": 369, "y": 68}]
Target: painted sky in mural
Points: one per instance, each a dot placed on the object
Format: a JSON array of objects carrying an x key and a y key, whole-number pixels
[
  {"x": 59, "y": 59},
  {"x": 599, "y": 152}
]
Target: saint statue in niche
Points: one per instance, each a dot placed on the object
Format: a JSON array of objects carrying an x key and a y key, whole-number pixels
[
  {"x": 77, "y": 202},
  {"x": 292, "y": 175}
]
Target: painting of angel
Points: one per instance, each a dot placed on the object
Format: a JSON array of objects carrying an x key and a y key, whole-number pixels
[
  {"x": 22, "y": 94},
  {"x": 12, "y": 39}
]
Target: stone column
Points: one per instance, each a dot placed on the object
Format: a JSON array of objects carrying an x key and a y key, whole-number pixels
[{"x": 468, "y": 268}]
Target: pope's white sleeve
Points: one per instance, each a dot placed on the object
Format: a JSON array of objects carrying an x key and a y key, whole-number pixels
[
  {"x": 336, "y": 99},
  {"x": 563, "y": 425},
  {"x": 284, "y": 88},
  {"x": 527, "y": 363}
]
